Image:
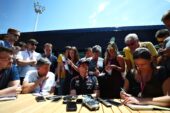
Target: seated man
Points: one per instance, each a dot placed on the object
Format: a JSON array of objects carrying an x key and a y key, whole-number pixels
[
  {"x": 40, "y": 80},
  {"x": 83, "y": 83},
  {"x": 9, "y": 77}
]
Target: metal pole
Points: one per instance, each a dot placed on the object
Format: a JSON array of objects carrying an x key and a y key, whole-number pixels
[
  {"x": 38, "y": 10},
  {"x": 36, "y": 22}
]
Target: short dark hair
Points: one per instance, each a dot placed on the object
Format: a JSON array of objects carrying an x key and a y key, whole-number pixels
[
  {"x": 13, "y": 31},
  {"x": 162, "y": 33},
  {"x": 97, "y": 48},
  {"x": 166, "y": 16},
  {"x": 143, "y": 53},
  {"x": 43, "y": 61},
  {"x": 4, "y": 49},
  {"x": 21, "y": 44},
  {"x": 88, "y": 49}
]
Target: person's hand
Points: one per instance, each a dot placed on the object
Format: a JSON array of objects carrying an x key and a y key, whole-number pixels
[
  {"x": 69, "y": 62},
  {"x": 127, "y": 98},
  {"x": 124, "y": 95},
  {"x": 97, "y": 72},
  {"x": 130, "y": 100},
  {"x": 114, "y": 67},
  {"x": 33, "y": 62},
  {"x": 18, "y": 89},
  {"x": 108, "y": 67}
]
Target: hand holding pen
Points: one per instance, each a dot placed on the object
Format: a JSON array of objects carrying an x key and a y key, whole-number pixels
[
  {"x": 123, "y": 94},
  {"x": 127, "y": 98}
]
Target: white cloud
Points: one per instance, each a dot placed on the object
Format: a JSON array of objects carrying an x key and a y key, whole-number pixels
[{"x": 101, "y": 7}]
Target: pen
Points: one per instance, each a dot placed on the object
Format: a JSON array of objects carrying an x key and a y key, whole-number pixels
[{"x": 124, "y": 92}]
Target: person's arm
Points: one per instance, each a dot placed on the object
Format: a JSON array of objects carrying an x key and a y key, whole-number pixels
[
  {"x": 13, "y": 88},
  {"x": 25, "y": 63},
  {"x": 121, "y": 62},
  {"x": 29, "y": 87},
  {"x": 160, "y": 101},
  {"x": 72, "y": 65},
  {"x": 59, "y": 70}
]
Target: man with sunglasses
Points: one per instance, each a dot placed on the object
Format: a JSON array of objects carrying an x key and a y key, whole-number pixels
[
  {"x": 132, "y": 42},
  {"x": 10, "y": 39},
  {"x": 27, "y": 59}
]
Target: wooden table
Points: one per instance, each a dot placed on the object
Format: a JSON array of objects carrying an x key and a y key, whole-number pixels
[{"x": 26, "y": 103}]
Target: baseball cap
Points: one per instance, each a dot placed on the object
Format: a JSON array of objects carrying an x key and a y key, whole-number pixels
[
  {"x": 83, "y": 61},
  {"x": 32, "y": 41}
]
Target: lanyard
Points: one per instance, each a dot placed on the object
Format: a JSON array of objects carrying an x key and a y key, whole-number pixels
[
  {"x": 41, "y": 86},
  {"x": 30, "y": 56}
]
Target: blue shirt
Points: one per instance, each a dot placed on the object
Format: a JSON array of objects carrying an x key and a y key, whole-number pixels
[
  {"x": 8, "y": 75},
  {"x": 6, "y": 44}
]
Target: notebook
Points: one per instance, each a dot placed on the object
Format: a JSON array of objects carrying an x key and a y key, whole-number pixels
[
  {"x": 11, "y": 96},
  {"x": 146, "y": 107}
]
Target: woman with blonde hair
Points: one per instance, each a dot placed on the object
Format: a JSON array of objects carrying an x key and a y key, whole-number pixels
[{"x": 114, "y": 66}]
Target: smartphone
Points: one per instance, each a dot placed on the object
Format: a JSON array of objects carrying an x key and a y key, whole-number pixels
[
  {"x": 40, "y": 99},
  {"x": 71, "y": 106},
  {"x": 54, "y": 98}
]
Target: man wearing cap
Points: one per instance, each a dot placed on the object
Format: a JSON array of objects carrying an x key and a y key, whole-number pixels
[
  {"x": 11, "y": 37},
  {"x": 84, "y": 83},
  {"x": 27, "y": 59},
  {"x": 40, "y": 80}
]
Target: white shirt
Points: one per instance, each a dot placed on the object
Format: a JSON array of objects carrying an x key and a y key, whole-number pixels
[
  {"x": 27, "y": 56},
  {"x": 45, "y": 86}
]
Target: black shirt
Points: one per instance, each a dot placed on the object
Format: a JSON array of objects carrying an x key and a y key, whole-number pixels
[
  {"x": 153, "y": 88},
  {"x": 84, "y": 85}
]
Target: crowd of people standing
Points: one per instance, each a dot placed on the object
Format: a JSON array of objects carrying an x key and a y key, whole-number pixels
[{"x": 143, "y": 70}]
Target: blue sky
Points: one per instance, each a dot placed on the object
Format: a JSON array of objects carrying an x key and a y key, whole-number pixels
[{"x": 74, "y": 14}]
